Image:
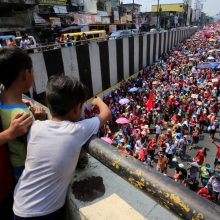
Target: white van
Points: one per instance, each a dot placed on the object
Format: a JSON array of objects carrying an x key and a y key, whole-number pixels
[
  {"x": 32, "y": 45},
  {"x": 120, "y": 34}
]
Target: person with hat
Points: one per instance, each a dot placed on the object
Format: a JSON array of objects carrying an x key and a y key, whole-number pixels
[
  {"x": 162, "y": 162},
  {"x": 180, "y": 173},
  {"x": 205, "y": 174}
]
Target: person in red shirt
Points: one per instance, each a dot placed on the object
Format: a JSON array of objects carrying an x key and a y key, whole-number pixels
[
  {"x": 201, "y": 122},
  {"x": 200, "y": 156},
  {"x": 18, "y": 127},
  {"x": 151, "y": 150},
  {"x": 206, "y": 192},
  {"x": 142, "y": 153},
  {"x": 195, "y": 138},
  {"x": 217, "y": 157}
]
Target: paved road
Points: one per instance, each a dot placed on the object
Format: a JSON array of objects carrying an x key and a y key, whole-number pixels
[{"x": 204, "y": 141}]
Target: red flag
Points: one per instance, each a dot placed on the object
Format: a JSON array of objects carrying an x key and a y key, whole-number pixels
[{"x": 150, "y": 102}]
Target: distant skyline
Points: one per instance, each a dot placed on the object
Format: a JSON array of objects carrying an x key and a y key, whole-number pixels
[{"x": 211, "y": 7}]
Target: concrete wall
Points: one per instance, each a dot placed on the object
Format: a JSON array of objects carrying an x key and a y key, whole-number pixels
[
  {"x": 106, "y": 196},
  {"x": 17, "y": 21},
  {"x": 101, "y": 65}
]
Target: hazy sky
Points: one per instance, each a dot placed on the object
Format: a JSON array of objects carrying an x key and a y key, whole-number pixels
[{"x": 211, "y": 7}]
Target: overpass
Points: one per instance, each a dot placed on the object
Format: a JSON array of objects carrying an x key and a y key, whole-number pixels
[{"x": 101, "y": 65}]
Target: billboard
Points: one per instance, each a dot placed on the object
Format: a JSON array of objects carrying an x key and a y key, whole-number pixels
[
  {"x": 169, "y": 7},
  {"x": 52, "y": 2}
]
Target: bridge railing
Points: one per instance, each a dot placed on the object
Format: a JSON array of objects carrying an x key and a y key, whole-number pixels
[
  {"x": 52, "y": 46},
  {"x": 173, "y": 196}
]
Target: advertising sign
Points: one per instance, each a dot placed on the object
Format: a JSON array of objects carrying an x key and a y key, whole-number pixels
[
  {"x": 52, "y": 2},
  {"x": 105, "y": 20},
  {"x": 168, "y": 7},
  {"x": 98, "y": 19},
  {"x": 116, "y": 15}
]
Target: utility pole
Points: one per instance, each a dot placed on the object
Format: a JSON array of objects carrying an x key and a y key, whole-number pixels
[
  {"x": 198, "y": 9},
  {"x": 186, "y": 5},
  {"x": 133, "y": 14},
  {"x": 158, "y": 11}
]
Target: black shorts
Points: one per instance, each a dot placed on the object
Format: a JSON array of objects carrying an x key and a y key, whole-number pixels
[
  {"x": 217, "y": 161},
  {"x": 195, "y": 140},
  {"x": 169, "y": 156},
  {"x": 151, "y": 153}
]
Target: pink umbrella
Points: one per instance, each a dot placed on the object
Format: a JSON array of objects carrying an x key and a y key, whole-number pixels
[
  {"x": 106, "y": 139},
  {"x": 122, "y": 121}
]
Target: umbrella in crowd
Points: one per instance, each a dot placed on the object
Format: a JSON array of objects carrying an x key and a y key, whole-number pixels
[
  {"x": 106, "y": 139},
  {"x": 124, "y": 101},
  {"x": 122, "y": 121},
  {"x": 134, "y": 89}
]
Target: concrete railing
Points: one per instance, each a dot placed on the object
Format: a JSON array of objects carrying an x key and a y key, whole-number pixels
[{"x": 173, "y": 196}]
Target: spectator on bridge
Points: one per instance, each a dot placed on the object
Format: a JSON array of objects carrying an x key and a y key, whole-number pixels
[
  {"x": 25, "y": 43},
  {"x": 18, "y": 127},
  {"x": 83, "y": 39},
  {"x": 11, "y": 42},
  {"x": 69, "y": 41},
  {"x": 51, "y": 154},
  {"x": 17, "y": 77}
]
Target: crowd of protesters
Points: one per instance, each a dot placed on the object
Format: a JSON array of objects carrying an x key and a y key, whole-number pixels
[{"x": 160, "y": 114}]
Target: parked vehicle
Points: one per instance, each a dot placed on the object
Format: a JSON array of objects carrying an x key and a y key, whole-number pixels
[
  {"x": 90, "y": 35},
  {"x": 32, "y": 42},
  {"x": 121, "y": 34},
  {"x": 7, "y": 40}
]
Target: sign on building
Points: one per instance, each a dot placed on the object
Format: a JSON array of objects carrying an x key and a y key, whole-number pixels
[
  {"x": 52, "y": 2},
  {"x": 168, "y": 7}
]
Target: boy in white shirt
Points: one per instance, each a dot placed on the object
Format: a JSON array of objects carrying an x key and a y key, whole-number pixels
[{"x": 53, "y": 150}]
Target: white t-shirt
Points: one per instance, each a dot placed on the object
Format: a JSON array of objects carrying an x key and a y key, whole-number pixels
[
  {"x": 52, "y": 154},
  {"x": 138, "y": 146},
  {"x": 158, "y": 129}
]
